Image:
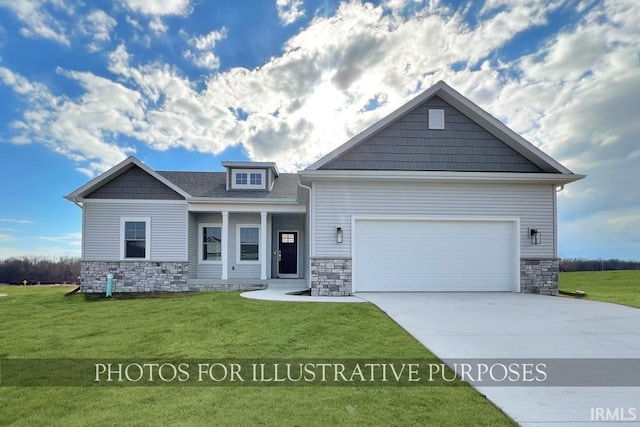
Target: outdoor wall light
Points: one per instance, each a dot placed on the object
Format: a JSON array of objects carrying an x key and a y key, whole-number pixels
[
  {"x": 535, "y": 236},
  {"x": 339, "y": 234}
]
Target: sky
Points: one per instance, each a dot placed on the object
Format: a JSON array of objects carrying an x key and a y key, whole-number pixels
[{"x": 185, "y": 84}]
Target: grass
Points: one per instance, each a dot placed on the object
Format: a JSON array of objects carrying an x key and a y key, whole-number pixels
[
  {"x": 620, "y": 287},
  {"x": 39, "y": 322}
]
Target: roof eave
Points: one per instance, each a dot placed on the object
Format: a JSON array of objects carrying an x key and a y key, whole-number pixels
[
  {"x": 246, "y": 200},
  {"x": 439, "y": 176}
]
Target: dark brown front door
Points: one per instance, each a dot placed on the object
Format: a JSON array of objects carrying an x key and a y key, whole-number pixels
[{"x": 287, "y": 253}]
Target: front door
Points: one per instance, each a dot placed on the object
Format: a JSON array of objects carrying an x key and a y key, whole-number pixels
[{"x": 287, "y": 254}]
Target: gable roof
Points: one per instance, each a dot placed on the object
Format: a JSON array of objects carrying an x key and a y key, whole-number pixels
[
  {"x": 117, "y": 171},
  {"x": 520, "y": 155}
]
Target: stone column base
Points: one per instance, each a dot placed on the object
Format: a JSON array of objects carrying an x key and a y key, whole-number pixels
[
  {"x": 539, "y": 276},
  {"x": 330, "y": 276}
]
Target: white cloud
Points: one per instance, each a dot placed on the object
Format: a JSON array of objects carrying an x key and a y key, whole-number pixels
[
  {"x": 6, "y": 237},
  {"x": 289, "y": 11},
  {"x": 73, "y": 239},
  {"x": 80, "y": 129},
  {"x": 208, "y": 41},
  {"x": 203, "y": 55},
  {"x": 37, "y": 19},
  {"x": 98, "y": 25},
  {"x": 157, "y": 26},
  {"x": 17, "y": 221},
  {"x": 159, "y": 7}
]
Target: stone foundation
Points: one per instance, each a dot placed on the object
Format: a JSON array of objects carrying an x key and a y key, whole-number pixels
[
  {"x": 539, "y": 276},
  {"x": 153, "y": 276},
  {"x": 331, "y": 277},
  {"x": 134, "y": 276}
]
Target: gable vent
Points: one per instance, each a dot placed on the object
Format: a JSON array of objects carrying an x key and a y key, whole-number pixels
[{"x": 436, "y": 119}]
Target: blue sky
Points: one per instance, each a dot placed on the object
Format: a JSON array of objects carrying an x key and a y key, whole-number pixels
[{"x": 184, "y": 84}]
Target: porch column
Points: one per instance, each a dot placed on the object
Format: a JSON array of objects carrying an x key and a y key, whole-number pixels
[
  {"x": 263, "y": 246},
  {"x": 225, "y": 245}
]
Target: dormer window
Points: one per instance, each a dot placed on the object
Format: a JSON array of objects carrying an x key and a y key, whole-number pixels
[
  {"x": 251, "y": 175},
  {"x": 248, "y": 179}
]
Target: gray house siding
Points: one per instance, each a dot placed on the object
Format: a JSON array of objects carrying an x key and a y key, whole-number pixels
[
  {"x": 409, "y": 144},
  {"x": 102, "y": 229},
  {"x": 206, "y": 270},
  {"x": 242, "y": 270},
  {"x": 235, "y": 270},
  {"x": 135, "y": 184},
  {"x": 336, "y": 202}
]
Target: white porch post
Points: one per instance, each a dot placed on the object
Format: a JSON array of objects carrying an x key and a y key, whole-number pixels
[
  {"x": 263, "y": 246},
  {"x": 225, "y": 245}
]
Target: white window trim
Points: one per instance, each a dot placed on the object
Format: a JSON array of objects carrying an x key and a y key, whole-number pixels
[
  {"x": 248, "y": 186},
  {"x": 238, "y": 227},
  {"x": 147, "y": 237},
  {"x": 201, "y": 243},
  {"x": 436, "y": 118}
]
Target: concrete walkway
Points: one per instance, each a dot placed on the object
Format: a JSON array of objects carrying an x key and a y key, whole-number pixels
[
  {"x": 282, "y": 293},
  {"x": 525, "y": 326}
]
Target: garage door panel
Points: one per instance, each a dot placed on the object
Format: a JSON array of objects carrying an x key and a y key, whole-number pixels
[{"x": 415, "y": 255}]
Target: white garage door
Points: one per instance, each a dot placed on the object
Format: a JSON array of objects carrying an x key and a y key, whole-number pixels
[{"x": 426, "y": 255}]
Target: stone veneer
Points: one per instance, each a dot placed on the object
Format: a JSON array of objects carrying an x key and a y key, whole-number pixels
[
  {"x": 330, "y": 276},
  {"x": 151, "y": 276},
  {"x": 539, "y": 276},
  {"x": 134, "y": 276}
]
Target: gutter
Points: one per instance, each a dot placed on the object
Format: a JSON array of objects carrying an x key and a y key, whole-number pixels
[{"x": 444, "y": 176}]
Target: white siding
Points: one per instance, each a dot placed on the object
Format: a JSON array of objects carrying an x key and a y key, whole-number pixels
[
  {"x": 337, "y": 201},
  {"x": 102, "y": 229}
]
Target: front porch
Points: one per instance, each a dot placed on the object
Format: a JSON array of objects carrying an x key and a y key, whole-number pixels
[{"x": 242, "y": 250}]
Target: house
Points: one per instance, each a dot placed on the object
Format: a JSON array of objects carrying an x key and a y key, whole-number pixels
[{"x": 437, "y": 196}]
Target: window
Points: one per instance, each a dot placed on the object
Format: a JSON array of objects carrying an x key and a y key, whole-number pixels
[
  {"x": 248, "y": 179},
  {"x": 256, "y": 179},
  {"x": 135, "y": 238},
  {"x": 241, "y": 178},
  {"x": 249, "y": 243},
  {"x": 287, "y": 238},
  {"x": 211, "y": 243},
  {"x": 436, "y": 119}
]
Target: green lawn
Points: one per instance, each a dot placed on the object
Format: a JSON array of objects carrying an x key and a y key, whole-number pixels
[
  {"x": 621, "y": 287},
  {"x": 38, "y": 322}
]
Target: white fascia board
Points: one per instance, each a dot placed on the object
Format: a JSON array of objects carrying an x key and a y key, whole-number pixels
[
  {"x": 209, "y": 206},
  {"x": 239, "y": 200},
  {"x": 437, "y": 176},
  {"x": 251, "y": 165},
  {"x": 115, "y": 171}
]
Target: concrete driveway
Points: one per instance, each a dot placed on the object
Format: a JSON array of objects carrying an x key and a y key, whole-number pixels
[{"x": 526, "y": 326}]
